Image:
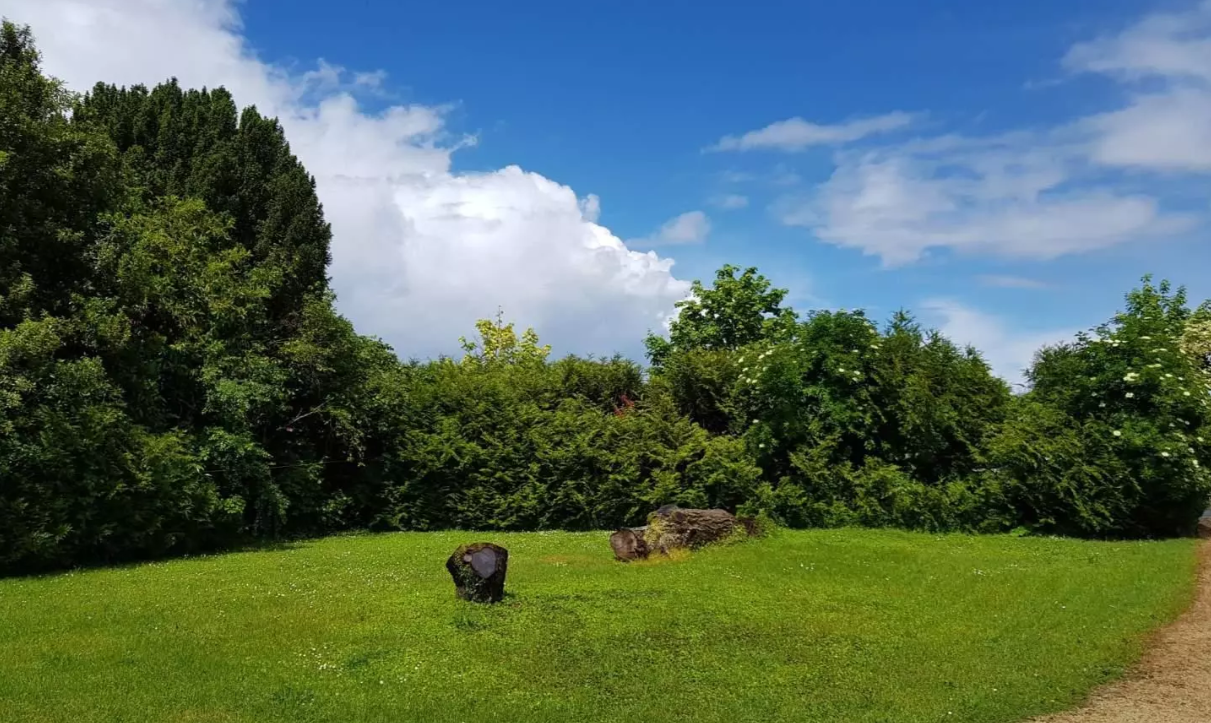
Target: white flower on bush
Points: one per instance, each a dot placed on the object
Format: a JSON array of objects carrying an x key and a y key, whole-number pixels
[
  {"x": 1130, "y": 395},
  {"x": 1164, "y": 454},
  {"x": 1118, "y": 433},
  {"x": 1131, "y": 376},
  {"x": 1146, "y": 338},
  {"x": 1101, "y": 404}
]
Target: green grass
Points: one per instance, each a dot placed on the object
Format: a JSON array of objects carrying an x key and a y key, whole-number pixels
[{"x": 837, "y": 625}]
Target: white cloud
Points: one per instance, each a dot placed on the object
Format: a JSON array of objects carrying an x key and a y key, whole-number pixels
[
  {"x": 1038, "y": 193},
  {"x": 1170, "y": 45},
  {"x": 1008, "y": 351},
  {"x": 1165, "y": 62},
  {"x": 590, "y": 208},
  {"x": 1170, "y": 131},
  {"x": 1010, "y": 282},
  {"x": 1009, "y": 196},
  {"x": 419, "y": 252},
  {"x": 688, "y": 228},
  {"x": 731, "y": 201},
  {"x": 796, "y": 134}
]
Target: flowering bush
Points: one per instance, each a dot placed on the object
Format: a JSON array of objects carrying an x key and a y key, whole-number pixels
[{"x": 1112, "y": 438}]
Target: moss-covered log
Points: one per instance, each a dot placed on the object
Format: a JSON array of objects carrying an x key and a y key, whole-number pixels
[{"x": 670, "y": 528}]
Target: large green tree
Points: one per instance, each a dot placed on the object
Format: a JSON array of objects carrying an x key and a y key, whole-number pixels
[
  {"x": 54, "y": 179},
  {"x": 173, "y": 371}
]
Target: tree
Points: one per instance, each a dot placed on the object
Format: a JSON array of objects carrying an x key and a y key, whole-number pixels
[
  {"x": 196, "y": 144},
  {"x": 498, "y": 344},
  {"x": 54, "y": 180},
  {"x": 734, "y": 312},
  {"x": 172, "y": 371}
]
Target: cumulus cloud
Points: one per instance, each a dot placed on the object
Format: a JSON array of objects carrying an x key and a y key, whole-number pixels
[
  {"x": 1007, "y": 350},
  {"x": 688, "y": 228},
  {"x": 797, "y": 134},
  {"x": 419, "y": 252}
]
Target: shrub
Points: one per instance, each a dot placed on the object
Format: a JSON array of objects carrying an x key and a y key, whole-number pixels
[{"x": 1112, "y": 438}]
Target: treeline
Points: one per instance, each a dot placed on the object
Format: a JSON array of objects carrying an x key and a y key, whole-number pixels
[{"x": 173, "y": 378}]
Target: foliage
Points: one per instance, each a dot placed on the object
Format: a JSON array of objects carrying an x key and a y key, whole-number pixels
[
  {"x": 823, "y": 625},
  {"x": 854, "y": 426},
  {"x": 734, "y": 312},
  {"x": 174, "y": 377},
  {"x": 498, "y": 344},
  {"x": 526, "y": 446},
  {"x": 1112, "y": 439}
]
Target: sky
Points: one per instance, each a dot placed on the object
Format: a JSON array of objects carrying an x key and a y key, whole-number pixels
[{"x": 1006, "y": 171}]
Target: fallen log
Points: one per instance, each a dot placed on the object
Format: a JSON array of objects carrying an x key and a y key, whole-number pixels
[{"x": 671, "y": 527}]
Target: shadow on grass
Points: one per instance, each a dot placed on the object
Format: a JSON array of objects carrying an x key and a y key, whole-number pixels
[{"x": 250, "y": 546}]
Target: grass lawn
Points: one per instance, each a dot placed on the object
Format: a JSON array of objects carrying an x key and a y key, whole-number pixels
[{"x": 826, "y": 625}]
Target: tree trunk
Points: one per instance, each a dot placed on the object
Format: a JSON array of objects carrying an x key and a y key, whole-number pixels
[{"x": 479, "y": 571}]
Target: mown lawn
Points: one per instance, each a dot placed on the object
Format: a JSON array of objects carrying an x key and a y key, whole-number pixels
[{"x": 832, "y": 625}]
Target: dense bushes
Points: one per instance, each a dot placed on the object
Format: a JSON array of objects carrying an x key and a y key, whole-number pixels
[
  {"x": 173, "y": 377},
  {"x": 1111, "y": 439}
]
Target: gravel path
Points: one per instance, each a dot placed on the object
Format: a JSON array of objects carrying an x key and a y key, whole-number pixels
[{"x": 1172, "y": 683}]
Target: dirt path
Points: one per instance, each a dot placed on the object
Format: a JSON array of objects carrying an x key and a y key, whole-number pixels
[{"x": 1172, "y": 683}]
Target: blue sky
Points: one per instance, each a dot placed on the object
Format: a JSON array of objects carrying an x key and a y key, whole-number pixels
[{"x": 1007, "y": 170}]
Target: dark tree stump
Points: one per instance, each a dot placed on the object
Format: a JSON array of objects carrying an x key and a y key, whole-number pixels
[
  {"x": 479, "y": 570},
  {"x": 670, "y": 528},
  {"x": 1204, "y": 525},
  {"x": 629, "y": 545}
]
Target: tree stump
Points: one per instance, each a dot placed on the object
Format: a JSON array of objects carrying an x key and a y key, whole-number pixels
[
  {"x": 1204, "y": 525},
  {"x": 479, "y": 570},
  {"x": 628, "y": 544},
  {"x": 670, "y": 528}
]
